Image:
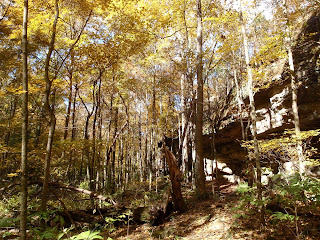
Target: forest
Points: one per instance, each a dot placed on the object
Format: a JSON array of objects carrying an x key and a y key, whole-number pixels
[{"x": 158, "y": 119}]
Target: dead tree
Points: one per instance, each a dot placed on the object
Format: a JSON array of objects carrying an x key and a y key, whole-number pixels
[{"x": 176, "y": 178}]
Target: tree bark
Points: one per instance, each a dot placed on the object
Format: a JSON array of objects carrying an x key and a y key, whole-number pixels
[
  {"x": 294, "y": 92},
  {"x": 199, "y": 175},
  {"x": 66, "y": 124},
  {"x": 176, "y": 178},
  {"x": 50, "y": 112},
  {"x": 184, "y": 91},
  {"x": 252, "y": 115},
  {"x": 24, "y": 145}
]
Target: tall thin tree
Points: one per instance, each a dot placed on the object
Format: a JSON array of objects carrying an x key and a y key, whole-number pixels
[
  {"x": 252, "y": 112},
  {"x": 51, "y": 112},
  {"x": 294, "y": 90},
  {"x": 24, "y": 145},
  {"x": 199, "y": 175}
]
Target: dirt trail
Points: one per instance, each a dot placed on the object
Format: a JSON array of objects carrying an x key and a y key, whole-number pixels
[
  {"x": 215, "y": 219},
  {"x": 210, "y": 219}
]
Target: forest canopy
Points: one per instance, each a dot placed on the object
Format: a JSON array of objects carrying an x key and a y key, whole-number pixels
[{"x": 89, "y": 88}]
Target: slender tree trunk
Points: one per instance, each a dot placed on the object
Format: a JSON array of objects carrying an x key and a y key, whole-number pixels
[
  {"x": 93, "y": 150},
  {"x": 113, "y": 151},
  {"x": 184, "y": 123},
  {"x": 184, "y": 89},
  {"x": 73, "y": 136},
  {"x": 94, "y": 131},
  {"x": 294, "y": 91},
  {"x": 252, "y": 115},
  {"x": 108, "y": 152},
  {"x": 139, "y": 153},
  {"x": 250, "y": 172},
  {"x": 146, "y": 147},
  {"x": 99, "y": 169},
  {"x": 239, "y": 102},
  {"x": 48, "y": 163},
  {"x": 66, "y": 124},
  {"x": 73, "y": 132},
  {"x": 51, "y": 114},
  {"x": 24, "y": 145},
  {"x": 153, "y": 133},
  {"x": 199, "y": 177},
  {"x": 193, "y": 141},
  {"x": 85, "y": 154}
]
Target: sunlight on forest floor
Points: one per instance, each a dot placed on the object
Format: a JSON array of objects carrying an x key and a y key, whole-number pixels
[{"x": 210, "y": 219}]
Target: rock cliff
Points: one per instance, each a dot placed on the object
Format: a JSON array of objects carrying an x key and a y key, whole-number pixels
[{"x": 273, "y": 104}]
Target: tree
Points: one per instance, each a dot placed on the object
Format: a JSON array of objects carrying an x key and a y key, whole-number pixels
[
  {"x": 24, "y": 140},
  {"x": 252, "y": 113},
  {"x": 50, "y": 112},
  {"x": 199, "y": 171},
  {"x": 294, "y": 91}
]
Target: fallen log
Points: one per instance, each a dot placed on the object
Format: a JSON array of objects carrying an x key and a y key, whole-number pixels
[{"x": 80, "y": 190}]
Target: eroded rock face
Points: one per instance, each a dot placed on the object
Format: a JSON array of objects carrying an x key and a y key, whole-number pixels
[{"x": 273, "y": 105}]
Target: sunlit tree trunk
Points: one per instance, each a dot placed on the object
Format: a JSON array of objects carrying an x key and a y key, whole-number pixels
[
  {"x": 213, "y": 148},
  {"x": 139, "y": 153},
  {"x": 184, "y": 90},
  {"x": 50, "y": 111},
  {"x": 107, "y": 157},
  {"x": 252, "y": 113},
  {"x": 73, "y": 131},
  {"x": 113, "y": 150},
  {"x": 73, "y": 136},
  {"x": 67, "y": 120},
  {"x": 199, "y": 174},
  {"x": 120, "y": 162},
  {"x": 294, "y": 92},
  {"x": 24, "y": 140},
  {"x": 92, "y": 160},
  {"x": 97, "y": 148},
  {"x": 152, "y": 160},
  {"x": 193, "y": 141}
]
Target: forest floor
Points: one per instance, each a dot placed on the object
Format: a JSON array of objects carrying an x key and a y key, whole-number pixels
[
  {"x": 208, "y": 219},
  {"x": 211, "y": 219}
]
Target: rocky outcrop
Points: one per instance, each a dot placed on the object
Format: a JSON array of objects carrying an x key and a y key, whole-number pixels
[{"x": 273, "y": 104}]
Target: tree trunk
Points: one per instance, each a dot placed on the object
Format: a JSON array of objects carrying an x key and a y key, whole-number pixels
[
  {"x": 113, "y": 150},
  {"x": 252, "y": 115},
  {"x": 199, "y": 174},
  {"x": 153, "y": 133},
  {"x": 73, "y": 132},
  {"x": 47, "y": 164},
  {"x": 50, "y": 112},
  {"x": 294, "y": 91},
  {"x": 66, "y": 124},
  {"x": 176, "y": 178},
  {"x": 184, "y": 90},
  {"x": 139, "y": 153},
  {"x": 94, "y": 131},
  {"x": 24, "y": 145}
]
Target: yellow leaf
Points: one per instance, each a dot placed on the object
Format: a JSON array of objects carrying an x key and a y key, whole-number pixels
[{"x": 12, "y": 174}]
